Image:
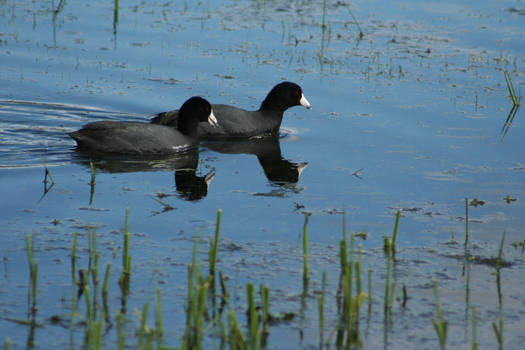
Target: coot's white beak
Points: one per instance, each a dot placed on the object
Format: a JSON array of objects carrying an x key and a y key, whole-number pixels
[
  {"x": 304, "y": 102},
  {"x": 212, "y": 120}
]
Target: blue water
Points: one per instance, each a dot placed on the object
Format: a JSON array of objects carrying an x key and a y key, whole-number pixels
[{"x": 410, "y": 116}]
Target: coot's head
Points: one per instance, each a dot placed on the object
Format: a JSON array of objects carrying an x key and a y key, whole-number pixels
[
  {"x": 283, "y": 96},
  {"x": 193, "y": 111},
  {"x": 199, "y": 109}
]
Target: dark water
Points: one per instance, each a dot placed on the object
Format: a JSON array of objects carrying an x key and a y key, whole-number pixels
[{"x": 411, "y": 116}]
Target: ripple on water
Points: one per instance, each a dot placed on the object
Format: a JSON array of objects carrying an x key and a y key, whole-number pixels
[{"x": 34, "y": 134}]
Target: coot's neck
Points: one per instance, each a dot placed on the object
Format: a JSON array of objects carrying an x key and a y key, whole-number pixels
[
  {"x": 188, "y": 126},
  {"x": 273, "y": 104},
  {"x": 273, "y": 107}
]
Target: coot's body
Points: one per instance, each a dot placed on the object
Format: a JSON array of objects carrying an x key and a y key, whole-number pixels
[
  {"x": 146, "y": 138},
  {"x": 236, "y": 122}
]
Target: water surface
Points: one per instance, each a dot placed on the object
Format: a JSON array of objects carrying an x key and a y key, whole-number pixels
[{"x": 411, "y": 116}]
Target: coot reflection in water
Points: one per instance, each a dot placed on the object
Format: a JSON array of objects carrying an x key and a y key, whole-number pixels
[
  {"x": 278, "y": 170},
  {"x": 189, "y": 185}
]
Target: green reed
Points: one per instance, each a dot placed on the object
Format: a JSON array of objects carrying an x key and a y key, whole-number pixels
[
  {"x": 348, "y": 329},
  {"x": 498, "y": 331},
  {"x": 115, "y": 19},
  {"x": 33, "y": 273},
  {"x": 306, "y": 266},
  {"x": 7, "y": 343},
  {"x": 145, "y": 335},
  {"x": 87, "y": 298},
  {"x": 498, "y": 327},
  {"x": 475, "y": 343},
  {"x": 321, "y": 308},
  {"x": 499, "y": 259},
  {"x": 92, "y": 182},
  {"x": 159, "y": 322},
  {"x": 389, "y": 244},
  {"x": 47, "y": 174},
  {"x": 214, "y": 246},
  {"x": 126, "y": 258},
  {"x": 466, "y": 223},
  {"x": 195, "y": 303},
  {"x": 253, "y": 317},
  {"x": 390, "y": 287},
  {"x": 93, "y": 265},
  {"x": 512, "y": 92},
  {"x": 390, "y": 249},
  {"x": 121, "y": 331},
  {"x": 357, "y": 266},
  {"x": 440, "y": 325},
  {"x": 95, "y": 333},
  {"x": 324, "y": 13},
  {"x": 74, "y": 259},
  {"x": 265, "y": 301},
  {"x": 236, "y": 337},
  {"x": 165, "y": 206},
  {"x": 74, "y": 285},
  {"x": 361, "y": 34},
  {"x": 499, "y": 262},
  {"x": 369, "y": 294},
  {"x": 105, "y": 288}
]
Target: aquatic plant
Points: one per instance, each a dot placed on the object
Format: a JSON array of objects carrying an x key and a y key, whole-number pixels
[
  {"x": 348, "y": 327},
  {"x": 201, "y": 316},
  {"x": 105, "y": 287},
  {"x": 47, "y": 174},
  {"x": 145, "y": 334},
  {"x": 115, "y": 19},
  {"x": 440, "y": 325},
  {"x": 33, "y": 273},
  {"x": 389, "y": 248},
  {"x": 235, "y": 335},
  {"x": 126, "y": 258},
  {"x": 498, "y": 327},
  {"x": 253, "y": 318},
  {"x": 92, "y": 183},
  {"x": 95, "y": 333},
  {"x": 214, "y": 247},
  {"x": 321, "y": 306},
  {"x": 475, "y": 343},
  {"x": 389, "y": 244},
  {"x": 121, "y": 331},
  {"x": 306, "y": 266},
  {"x": 390, "y": 287},
  {"x": 512, "y": 92},
  {"x": 324, "y": 13},
  {"x": 499, "y": 262},
  {"x": 74, "y": 284},
  {"x": 195, "y": 303},
  {"x": 166, "y": 206},
  {"x": 369, "y": 294},
  {"x": 498, "y": 331},
  {"x": 159, "y": 322},
  {"x": 466, "y": 223},
  {"x": 515, "y": 98},
  {"x": 265, "y": 301},
  {"x": 361, "y": 34}
]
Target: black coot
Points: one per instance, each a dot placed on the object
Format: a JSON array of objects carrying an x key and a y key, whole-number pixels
[
  {"x": 236, "y": 122},
  {"x": 146, "y": 138}
]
